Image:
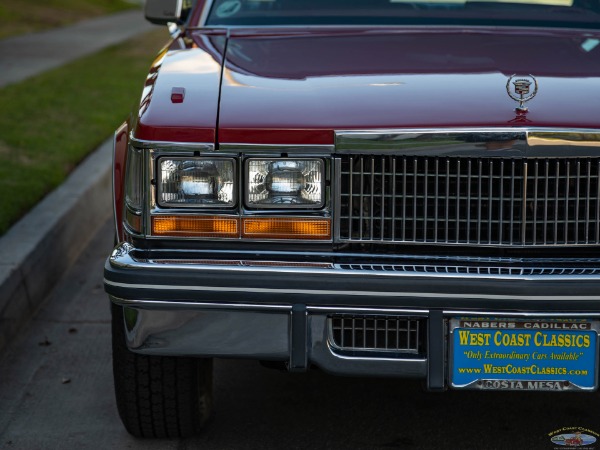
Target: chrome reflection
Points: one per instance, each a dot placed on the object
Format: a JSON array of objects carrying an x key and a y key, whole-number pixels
[{"x": 498, "y": 142}]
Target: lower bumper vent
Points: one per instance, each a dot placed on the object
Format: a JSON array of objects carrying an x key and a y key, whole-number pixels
[{"x": 375, "y": 333}]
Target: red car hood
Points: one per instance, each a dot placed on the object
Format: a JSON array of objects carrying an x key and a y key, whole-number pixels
[{"x": 298, "y": 87}]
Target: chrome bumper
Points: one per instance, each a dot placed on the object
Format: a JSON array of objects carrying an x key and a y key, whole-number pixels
[
  {"x": 296, "y": 335},
  {"x": 280, "y": 312}
]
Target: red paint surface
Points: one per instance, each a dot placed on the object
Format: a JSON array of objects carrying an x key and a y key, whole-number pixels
[
  {"x": 197, "y": 69},
  {"x": 356, "y": 79},
  {"x": 295, "y": 86}
]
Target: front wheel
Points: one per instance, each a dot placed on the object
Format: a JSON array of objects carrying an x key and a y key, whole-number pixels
[{"x": 159, "y": 396}]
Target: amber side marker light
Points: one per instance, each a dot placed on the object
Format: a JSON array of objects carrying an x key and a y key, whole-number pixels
[
  {"x": 196, "y": 226},
  {"x": 133, "y": 221},
  {"x": 286, "y": 228}
]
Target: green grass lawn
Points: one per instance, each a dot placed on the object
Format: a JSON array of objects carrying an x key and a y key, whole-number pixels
[
  {"x": 49, "y": 123},
  {"x": 19, "y": 16}
]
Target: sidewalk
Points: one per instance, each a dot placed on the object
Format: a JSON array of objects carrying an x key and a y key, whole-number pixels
[
  {"x": 26, "y": 55},
  {"x": 36, "y": 251}
]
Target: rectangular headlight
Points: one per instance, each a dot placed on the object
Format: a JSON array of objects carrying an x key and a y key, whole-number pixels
[
  {"x": 285, "y": 183},
  {"x": 197, "y": 182}
]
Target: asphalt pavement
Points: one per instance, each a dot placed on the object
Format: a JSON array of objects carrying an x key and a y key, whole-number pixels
[{"x": 39, "y": 248}]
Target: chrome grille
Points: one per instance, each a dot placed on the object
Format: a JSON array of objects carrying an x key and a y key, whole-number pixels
[
  {"x": 474, "y": 270},
  {"x": 470, "y": 201},
  {"x": 376, "y": 333}
]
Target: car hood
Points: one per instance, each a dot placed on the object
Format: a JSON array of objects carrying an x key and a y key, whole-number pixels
[{"x": 299, "y": 86}]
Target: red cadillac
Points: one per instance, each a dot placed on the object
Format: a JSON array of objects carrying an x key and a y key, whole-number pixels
[{"x": 400, "y": 188}]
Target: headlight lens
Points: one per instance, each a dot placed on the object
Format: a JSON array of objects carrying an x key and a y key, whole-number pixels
[
  {"x": 285, "y": 183},
  {"x": 196, "y": 182}
]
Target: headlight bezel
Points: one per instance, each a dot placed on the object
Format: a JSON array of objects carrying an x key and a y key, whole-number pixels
[{"x": 156, "y": 208}]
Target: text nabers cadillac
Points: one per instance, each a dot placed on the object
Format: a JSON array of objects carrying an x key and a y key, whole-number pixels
[{"x": 390, "y": 188}]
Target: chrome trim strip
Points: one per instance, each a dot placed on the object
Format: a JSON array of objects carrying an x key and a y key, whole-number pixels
[
  {"x": 148, "y": 191},
  {"x": 314, "y": 309},
  {"x": 344, "y": 272},
  {"x": 171, "y": 146},
  {"x": 349, "y": 310},
  {"x": 439, "y": 29},
  {"x": 376, "y": 358},
  {"x": 121, "y": 258},
  {"x": 270, "y": 148},
  {"x": 127, "y": 248},
  {"x": 335, "y": 198},
  {"x": 489, "y": 142},
  {"x": 158, "y": 304},
  {"x": 523, "y": 315},
  {"x": 205, "y": 11},
  {"x": 542, "y": 298},
  {"x": 582, "y": 137}
]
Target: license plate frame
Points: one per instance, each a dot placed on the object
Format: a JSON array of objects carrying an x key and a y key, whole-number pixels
[{"x": 523, "y": 354}]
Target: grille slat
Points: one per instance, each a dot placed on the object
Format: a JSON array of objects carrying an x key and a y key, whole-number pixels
[
  {"x": 587, "y": 205},
  {"x": 382, "y": 218},
  {"x": 404, "y": 195},
  {"x": 535, "y": 200},
  {"x": 485, "y": 201},
  {"x": 376, "y": 333},
  {"x": 414, "y": 202},
  {"x": 566, "y": 215},
  {"x": 556, "y": 203},
  {"x": 598, "y": 204},
  {"x": 524, "y": 206},
  {"x": 393, "y": 202}
]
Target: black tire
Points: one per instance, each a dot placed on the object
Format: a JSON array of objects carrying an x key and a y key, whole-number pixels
[{"x": 159, "y": 396}]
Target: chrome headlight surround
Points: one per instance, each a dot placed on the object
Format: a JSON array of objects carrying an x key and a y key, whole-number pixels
[
  {"x": 196, "y": 182},
  {"x": 134, "y": 190},
  {"x": 284, "y": 183}
]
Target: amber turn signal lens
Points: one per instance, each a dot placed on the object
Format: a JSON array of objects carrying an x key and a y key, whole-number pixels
[
  {"x": 286, "y": 228},
  {"x": 195, "y": 226}
]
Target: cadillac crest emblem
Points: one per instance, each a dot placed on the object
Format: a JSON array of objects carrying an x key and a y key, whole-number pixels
[{"x": 521, "y": 90}]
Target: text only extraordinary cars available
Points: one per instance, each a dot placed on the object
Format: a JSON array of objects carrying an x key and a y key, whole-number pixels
[{"x": 391, "y": 188}]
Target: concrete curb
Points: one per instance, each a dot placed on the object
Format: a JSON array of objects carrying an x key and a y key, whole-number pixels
[{"x": 39, "y": 248}]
